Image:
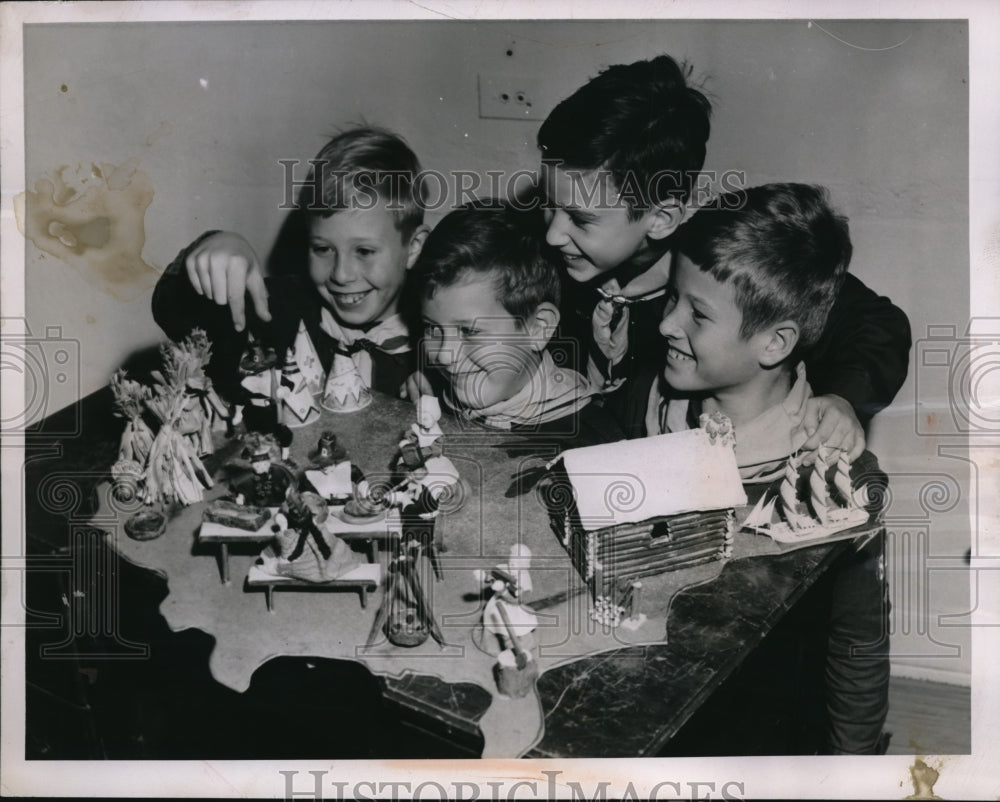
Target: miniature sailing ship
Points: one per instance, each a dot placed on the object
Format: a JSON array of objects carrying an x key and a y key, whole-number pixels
[
  {"x": 643, "y": 507},
  {"x": 798, "y": 515}
]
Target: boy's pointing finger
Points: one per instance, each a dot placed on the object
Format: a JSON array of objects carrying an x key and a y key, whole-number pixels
[
  {"x": 237, "y": 305},
  {"x": 258, "y": 295}
]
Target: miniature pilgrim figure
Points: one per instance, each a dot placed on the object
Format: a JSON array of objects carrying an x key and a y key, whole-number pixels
[
  {"x": 259, "y": 412},
  {"x": 504, "y": 617},
  {"x": 268, "y": 484},
  {"x": 420, "y": 441},
  {"x": 300, "y": 549},
  {"x": 508, "y": 630},
  {"x": 426, "y": 491},
  {"x": 333, "y": 476}
]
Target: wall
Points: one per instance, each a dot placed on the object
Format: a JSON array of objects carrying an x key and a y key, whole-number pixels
[{"x": 196, "y": 117}]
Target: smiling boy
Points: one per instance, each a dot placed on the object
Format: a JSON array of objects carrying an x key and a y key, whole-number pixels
[
  {"x": 752, "y": 285},
  {"x": 363, "y": 233},
  {"x": 620, "y": 159},
  {"x": 490, "y": 306}
]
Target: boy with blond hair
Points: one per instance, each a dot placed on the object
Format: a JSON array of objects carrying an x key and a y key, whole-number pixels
[{"x": 362, "y": 233}]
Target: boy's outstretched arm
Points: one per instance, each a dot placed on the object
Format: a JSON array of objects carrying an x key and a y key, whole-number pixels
[
  {"x": 863, "y": 354},
  {"x": 179, "y": 307}
]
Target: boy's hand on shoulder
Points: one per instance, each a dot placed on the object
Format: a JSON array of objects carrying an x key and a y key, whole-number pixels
[
  {"x": 416, "y": 385},
  {"x": 612, "y": 342},
  {"x": 830, "y": 420},
  {"x": 224, "y": 268}
]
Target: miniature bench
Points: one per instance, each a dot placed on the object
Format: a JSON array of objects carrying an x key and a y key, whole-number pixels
[
  {"x": 363, "y": 578},
  {"x": 212, "y": 532}
]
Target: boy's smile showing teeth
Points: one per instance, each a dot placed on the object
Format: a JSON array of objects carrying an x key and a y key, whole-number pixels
[
  {"x": 350, "y": 298},
  {"x": 358, "y": 260},
  {"x": 678, "y": 355}
]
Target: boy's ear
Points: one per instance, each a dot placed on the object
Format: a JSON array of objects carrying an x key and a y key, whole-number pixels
[
  {"x": 778, "y": 342},
  {"x": 416, "y": 244},
  {"x": 663, "y": 218},
  {"x": 541, "y": 325}
]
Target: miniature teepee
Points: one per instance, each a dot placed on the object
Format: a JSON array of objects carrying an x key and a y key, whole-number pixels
[
  {"x": 345, "y": 390},
  {"x": 297, "y": 405},
  {"x": 307, "y": 360}
]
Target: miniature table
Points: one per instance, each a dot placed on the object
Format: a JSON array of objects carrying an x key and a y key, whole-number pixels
[
  {"x": 626, "y": 701},
  {"x": 387, "y": 529},
  {"x": 212, "y": 532}
]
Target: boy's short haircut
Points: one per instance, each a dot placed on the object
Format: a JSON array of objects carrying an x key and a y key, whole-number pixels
[
  {"x": 362, "y": 165},
  {"x": 490, "y": 238},
  {"x": 783, "y": 248},
  {"x": 642, "y": 122}
]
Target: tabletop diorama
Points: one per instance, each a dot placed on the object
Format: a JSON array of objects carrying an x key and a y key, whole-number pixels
[{"x": 299, "y": 511}]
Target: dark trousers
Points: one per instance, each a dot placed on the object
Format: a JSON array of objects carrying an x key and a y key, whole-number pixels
[{"x": 857, "y": 655}]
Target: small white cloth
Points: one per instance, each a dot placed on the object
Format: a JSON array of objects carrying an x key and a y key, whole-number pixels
[{"x": 551, "y": 393}]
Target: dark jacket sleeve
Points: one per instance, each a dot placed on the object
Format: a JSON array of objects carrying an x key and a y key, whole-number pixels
[
  {"x": 178, "y": 308},
  {"x": 863, "y": 353}
]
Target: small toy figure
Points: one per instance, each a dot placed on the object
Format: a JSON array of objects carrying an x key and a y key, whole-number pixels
[
  {"x": 337, "y": 478},
  {"x": 297, "y": 405},
  {"x": 425, "y": 492},
  {"x": 259, "y": 410},
  {"x": 508, "y": 630},
  {"x": 345, "y": 391},
  {"x": 425, "y": 433},
  {"x": 504, "y": 616},
  {"x": 300, "y": 549},
  {"x": 269, "y": 483},
  {"x": 420, "y": 441}
]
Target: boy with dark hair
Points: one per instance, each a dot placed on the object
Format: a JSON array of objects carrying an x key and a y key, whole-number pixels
[
  {"x": 753, "y": 282},
  {"x": 361, "y": 216},
  {"x": 620, "y": 160},
  {"x": 490, "y": 306}
]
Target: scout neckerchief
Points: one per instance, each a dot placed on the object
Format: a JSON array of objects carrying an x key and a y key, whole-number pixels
[
  {"x": 389, "y": 336},
  {"x": 762, "y": 445},
  {"x": 610, "y": 292},
  {"x": 552, "y": 393}
]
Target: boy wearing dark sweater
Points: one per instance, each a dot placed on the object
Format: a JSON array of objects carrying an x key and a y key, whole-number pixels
[
  {"x": 360, "y": 216},
  {"x": 620, "y": 159}
]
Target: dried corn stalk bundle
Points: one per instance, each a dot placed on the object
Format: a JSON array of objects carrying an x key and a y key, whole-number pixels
[
  {"x": 172, "y": 468},
  {"x": 130, "y": 399}
]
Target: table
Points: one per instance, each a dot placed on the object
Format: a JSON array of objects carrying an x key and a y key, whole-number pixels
[{"x": 624, "y": 702}]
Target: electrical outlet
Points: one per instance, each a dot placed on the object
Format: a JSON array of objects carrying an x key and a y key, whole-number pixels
[{"x": 508, "y": 97}]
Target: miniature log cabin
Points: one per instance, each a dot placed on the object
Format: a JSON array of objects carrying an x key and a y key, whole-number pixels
[{"x": 638, "y": 508}]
